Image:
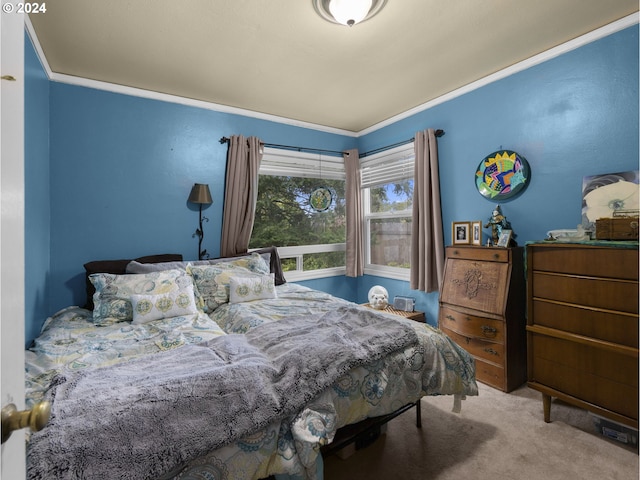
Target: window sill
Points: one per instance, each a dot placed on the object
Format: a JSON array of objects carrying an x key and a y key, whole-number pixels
[
  {"x": 388, "y": 272},
  {"x": 296, "y": 276}
]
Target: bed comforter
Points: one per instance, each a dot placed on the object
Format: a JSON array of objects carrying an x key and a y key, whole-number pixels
[{"x": 289, "y": 445}]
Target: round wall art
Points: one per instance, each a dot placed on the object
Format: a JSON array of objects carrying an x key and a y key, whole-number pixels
[{"x": 502, "y": 175}]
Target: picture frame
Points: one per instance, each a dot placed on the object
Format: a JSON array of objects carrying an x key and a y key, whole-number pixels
[
  {"x": 476, "y": 232},
  {"x": 460, "y": 233},
  {"x": 505, "y": 238}
]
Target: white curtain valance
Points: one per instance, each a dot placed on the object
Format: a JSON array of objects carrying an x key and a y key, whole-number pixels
[
  {"x": 291, "y": 163},
  {"x": 392, "y": 165}
]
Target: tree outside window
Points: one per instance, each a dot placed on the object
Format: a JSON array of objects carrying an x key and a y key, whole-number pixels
[{"x": 285, "y": 218}]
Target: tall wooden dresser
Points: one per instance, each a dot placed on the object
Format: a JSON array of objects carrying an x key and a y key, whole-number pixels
[
  {"x": 482, "y": 308},
  {"x": 582, "y": 327}
]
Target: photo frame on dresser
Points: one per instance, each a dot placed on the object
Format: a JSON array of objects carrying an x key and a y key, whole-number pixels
[
  {"x": 476, "y": 232},
  {"x": 505, "y": 238},
  {"x": 461, "y": 233}
]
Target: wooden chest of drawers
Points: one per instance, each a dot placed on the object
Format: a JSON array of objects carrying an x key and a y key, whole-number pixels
[
  {"x": 582, "y": 327},
  {"x": 482, "y": 304}
]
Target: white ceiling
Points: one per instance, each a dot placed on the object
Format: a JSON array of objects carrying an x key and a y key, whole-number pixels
[{"x": 278, "y": 57}]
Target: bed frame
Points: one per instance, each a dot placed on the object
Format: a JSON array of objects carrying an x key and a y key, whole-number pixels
[
  {"x": 368, "y": 428},
  {"x": 365, "y": 432}
]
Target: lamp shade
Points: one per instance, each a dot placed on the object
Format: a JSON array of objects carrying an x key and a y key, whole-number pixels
[
  {"x": 349, "y": 12},
  {"x": 200, "y": 194}
]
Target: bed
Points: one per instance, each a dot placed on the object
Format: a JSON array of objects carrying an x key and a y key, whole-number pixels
[{"x": 221, "y": 370}]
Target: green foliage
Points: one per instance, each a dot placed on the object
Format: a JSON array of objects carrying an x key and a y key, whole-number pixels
[{"x": 285, "y": 218}]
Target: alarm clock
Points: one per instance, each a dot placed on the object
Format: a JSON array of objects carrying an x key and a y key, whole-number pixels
[{"x": 405, "y": 304}]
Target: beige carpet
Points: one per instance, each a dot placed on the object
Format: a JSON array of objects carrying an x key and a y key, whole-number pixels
[{"x": 496, "y": 436}]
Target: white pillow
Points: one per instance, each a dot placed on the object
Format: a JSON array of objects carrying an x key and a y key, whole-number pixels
[
  {"x": 147, "y": 308},
  {"x": 247, "y": 289}
]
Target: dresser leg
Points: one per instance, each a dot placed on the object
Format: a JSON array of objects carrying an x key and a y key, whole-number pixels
[{"x": 546, "y": 407}]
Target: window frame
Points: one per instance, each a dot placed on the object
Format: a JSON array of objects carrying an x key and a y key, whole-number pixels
[
  {"x": 383, "y": 169},
  {"x": 292, "y": 163}
]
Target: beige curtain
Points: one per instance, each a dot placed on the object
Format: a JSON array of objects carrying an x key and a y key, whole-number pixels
[
  {"x": 355, "y": 255},
  {"x": 241, "y": 194},
  {"x": 427, "y": 239}
]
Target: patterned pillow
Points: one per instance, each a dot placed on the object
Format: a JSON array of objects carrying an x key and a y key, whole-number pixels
[
  {"x": 247, "y": 289},
  {"x": 112, "y": 300},
  {"x": 254, "y": 263},
  {"x": 147, "y": 308},
  {"x": 212, "y": 281}
]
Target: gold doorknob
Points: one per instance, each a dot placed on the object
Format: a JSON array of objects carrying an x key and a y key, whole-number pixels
[{"x": 36, "y": 418}]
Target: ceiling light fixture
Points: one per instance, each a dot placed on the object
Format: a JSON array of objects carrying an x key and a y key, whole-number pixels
[{"x": 348, "y": 12}]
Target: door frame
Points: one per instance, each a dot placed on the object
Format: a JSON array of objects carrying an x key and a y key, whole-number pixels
[{"x": 12, "y": 276}]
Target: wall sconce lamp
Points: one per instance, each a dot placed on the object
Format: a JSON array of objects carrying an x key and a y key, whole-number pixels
[{"x": 201, "y": 195}]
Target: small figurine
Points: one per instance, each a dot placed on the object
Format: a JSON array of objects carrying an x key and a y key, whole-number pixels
[
  {"x": 378, "y": 297},
  {"x": 498, "y": 222}
]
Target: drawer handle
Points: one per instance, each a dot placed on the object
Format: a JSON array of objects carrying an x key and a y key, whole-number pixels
[
  {"x": 496, "y": 256},
  {"x": 451, "y": 317},
  {"x": 488, "y": 331},
  {"x": 491, "y": 351}
]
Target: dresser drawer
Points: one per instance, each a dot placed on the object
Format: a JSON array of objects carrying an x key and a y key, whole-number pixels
[
  {"x": 476, "y": 285},
  {"x": 602, "y": 262},
  {"x": 620, "y": 295},
  {"x": 590, "y": 322},
  {"x": 471, "y": 325},
  {"x": 483, "y": 254},
  {"x": 490, "y": 351},
  {"x": 490, "y": 373},
  {"x": 598, "y": 376}
]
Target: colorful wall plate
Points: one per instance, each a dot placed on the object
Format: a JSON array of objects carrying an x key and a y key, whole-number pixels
[{"x": 502, "y": 175}]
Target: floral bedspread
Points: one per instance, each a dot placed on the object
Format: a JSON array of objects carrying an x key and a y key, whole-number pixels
[
  {"x": 70, "y": 341},
  {"x": 434, "y": 366}
]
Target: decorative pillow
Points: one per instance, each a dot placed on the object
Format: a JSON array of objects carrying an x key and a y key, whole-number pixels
[
  {"x": 212, "y": 282},
  {"x": 247, "y": 289},
  {"x": 254, "y": 263},
  {"x": 138, "y": 267},
  {"x": 118, "y": 267},
  {"x": 270, "y": 254},
  {"x": 147, "y": 308},
  {"x": 112, "y": 300}
]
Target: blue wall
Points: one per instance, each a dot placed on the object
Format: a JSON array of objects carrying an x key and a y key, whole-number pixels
[
  {"x": 121, "y": 167},
  {"x": 37, "y": 193}
]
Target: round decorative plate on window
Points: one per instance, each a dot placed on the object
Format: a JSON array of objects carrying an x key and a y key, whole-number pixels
[
  {"x": 502, "y": 175},
  {"x": 321, "y": 199}
]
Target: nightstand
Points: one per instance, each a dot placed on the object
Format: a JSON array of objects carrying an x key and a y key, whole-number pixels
[{"x": 415, "y": 315}]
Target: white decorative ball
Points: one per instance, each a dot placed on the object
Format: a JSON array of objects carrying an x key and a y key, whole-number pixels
[{"x": 378, "y": 297}]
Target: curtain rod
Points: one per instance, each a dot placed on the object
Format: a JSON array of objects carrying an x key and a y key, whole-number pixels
[
  {"x": 291, "y": 147},
  {"x": 438, "y": 133}
]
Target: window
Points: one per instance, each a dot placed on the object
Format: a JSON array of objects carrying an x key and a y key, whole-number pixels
[
  {"x": 387, "y": 188},
  {"x": 311, "y": 243}
]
